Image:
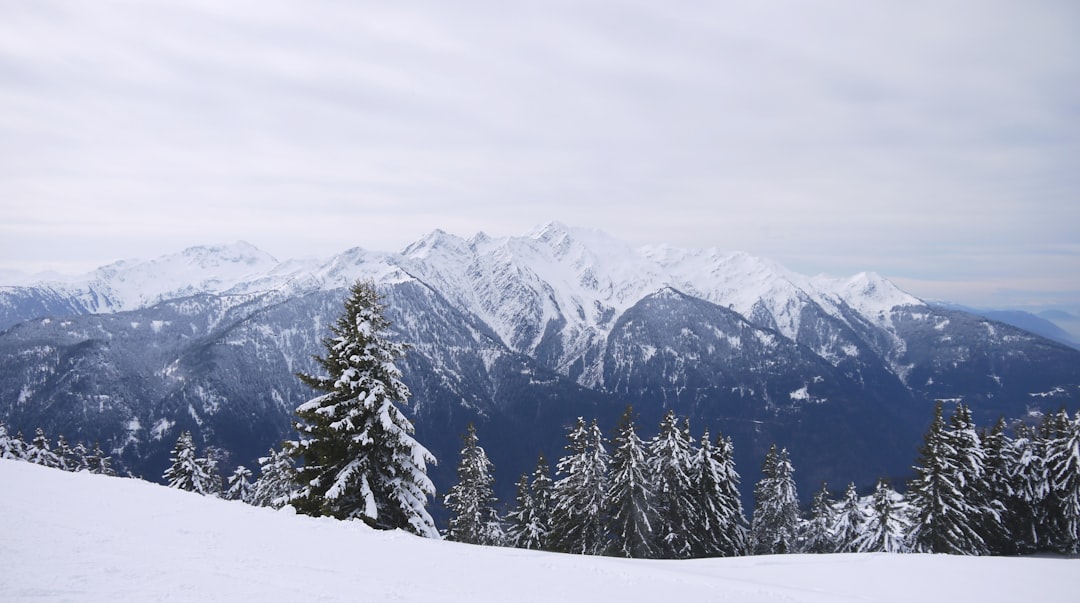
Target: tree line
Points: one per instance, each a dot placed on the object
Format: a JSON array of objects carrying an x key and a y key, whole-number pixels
[
  {"x": 1000, "y": 491},
  {"x": 64, "y": 456}
]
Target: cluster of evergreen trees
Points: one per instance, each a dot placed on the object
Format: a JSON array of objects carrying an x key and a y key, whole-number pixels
[
  {"x": 668, "y": 498},
  {"x": 974, "y": 493},
  {"x": 63, "y": 456}
]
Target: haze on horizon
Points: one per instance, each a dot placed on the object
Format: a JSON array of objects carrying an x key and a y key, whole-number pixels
[{"x": 933, "y": 144}]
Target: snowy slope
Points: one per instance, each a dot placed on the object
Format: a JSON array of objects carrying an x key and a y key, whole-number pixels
[{"x": 82, "y": 537}]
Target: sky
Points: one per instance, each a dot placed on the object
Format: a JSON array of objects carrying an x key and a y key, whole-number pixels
[{"x": 936, "y": 143}]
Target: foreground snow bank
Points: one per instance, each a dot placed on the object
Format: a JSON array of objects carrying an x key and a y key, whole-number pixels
[{"x": 83, "y": 537}]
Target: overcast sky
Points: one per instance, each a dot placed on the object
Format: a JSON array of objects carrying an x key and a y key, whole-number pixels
[{"x": 937, "y": 143}]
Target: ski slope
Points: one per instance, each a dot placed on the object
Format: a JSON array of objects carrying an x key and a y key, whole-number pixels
[{"x": 83, "y": 537}]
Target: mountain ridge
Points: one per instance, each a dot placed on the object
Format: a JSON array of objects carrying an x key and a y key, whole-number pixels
[{"x": 519, "y": 335}]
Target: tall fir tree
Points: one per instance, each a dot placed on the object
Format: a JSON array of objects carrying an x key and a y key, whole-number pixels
[
  {"x": 671, "y": 460},
  {"x": 850, "y": 521},
  {"x": 530, "y": 521},
  {"x": 970, "y": 459},
  {"x": 472, "y": 502},
  {"x": 360, "y": 460},
  {"x": 579, "y": 522},
  {"x": 775, "y": 523},
  {"x": 886, "y": 525},
  {"x": 1063, "y": 468},
  {"x": 817, "y": 530},
  {"x": 630, "y": 495},
  {"x": 995, "y": 488},
  {"x": 1027, "y": 487},
  {"x": 943, "y": 520},
  {"x": 721, "y": 530},
  {"x": 277, "y": 479}
]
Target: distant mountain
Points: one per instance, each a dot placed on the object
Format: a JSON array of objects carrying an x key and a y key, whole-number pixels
[
  {"x": 1045, "y": 323},
  {"x": 519, "y": 335}
]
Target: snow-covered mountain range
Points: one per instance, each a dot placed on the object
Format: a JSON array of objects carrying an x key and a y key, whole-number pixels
[{"x": 519, "y": 334}]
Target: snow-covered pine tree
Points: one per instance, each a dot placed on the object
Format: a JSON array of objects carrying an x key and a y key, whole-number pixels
[
  {"x": 886, "y": 526},
  {"x": 1027, "y": 486},
  {"x": 188, "y": 471},
  {"x": 985, "y": 509},
  {"x": 360, "y": 460},
  {"x": 579, "y": 523},
  {"x": 671, "y": 463},
  {"x": 65, "y": 455},
  {"x": 1063, "y": 468},
  {"x": 19, "y": 448},
  {"x": 39, "y": 451},
  {"x": 995, "y": 488},
  {"x": 776, "y": 506},
  {"x": 239, "y": 485},
  {"x": 942, "y": 518},
  {"x": 722, "y": 530},
  {"x": 472, "y": 501},
  {"x": 630, "y": 496},
  {"x": 850, "y": 521},
  {"x": 277, "y": 480},
  {"x": 10, "y": 448},
  {"x": 98, "y": 462},
  {"x": 522, "y": 530},
  {"x": 530, "y": 521},
  {"x": 817, "y": 530},
  {"x": 79, "y": 453}
]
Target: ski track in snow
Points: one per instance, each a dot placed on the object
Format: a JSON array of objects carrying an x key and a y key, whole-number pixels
[{"x": 83, "y": 537}]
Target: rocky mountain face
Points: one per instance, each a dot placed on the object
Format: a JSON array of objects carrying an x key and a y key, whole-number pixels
[{"x": 519, "y": 335}]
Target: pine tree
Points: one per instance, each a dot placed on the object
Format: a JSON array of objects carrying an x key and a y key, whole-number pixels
[
  {"x": 530, "y": 521},
  {"x": 722, "y": 530},
  {"x": 850, "y": 521},
  {"x": 79, "y": 454},
  {"x": 887, "y": 526},
  {"x": 1026, "y": 484},
  {"x": 522, "y": 530},
  {"x": 995, "y": 488},
  {"x": 1063, "y": 467},
  {"x": 776, "y": 506},
  {"x": 98, "y": 462},
  {"x": 39, "y": 451},
  {"x": 10, "y": 447},
  {"x": 943, "y": 521},
  {"x": 817, "y": 531},
  {"x": 20, "y": 450},
  {"x": 277, "y": 480},
  {"x": 239, "y": 485},
  {"x": 360, "y": 460},
  {"x": 65, "y": 455},
  {"x": 671, "y": 462},
  {"x": 471, "y": 501},
  {"x": 630, "y": 496},
  {"x": 189, "y": 472},
  {"x": 579, "y": 523}
]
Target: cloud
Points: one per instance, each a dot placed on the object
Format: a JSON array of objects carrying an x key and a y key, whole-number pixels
[{"x": 919, "y": 140}]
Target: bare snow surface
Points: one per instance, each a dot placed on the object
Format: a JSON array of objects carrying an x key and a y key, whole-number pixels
[{"x": 83, "y": 537}]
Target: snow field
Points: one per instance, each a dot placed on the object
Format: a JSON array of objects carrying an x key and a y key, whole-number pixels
[{"x": 83, "y": 537}]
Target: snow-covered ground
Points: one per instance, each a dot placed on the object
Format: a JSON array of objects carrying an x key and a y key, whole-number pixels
[{"x": 82, "y": 537}]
